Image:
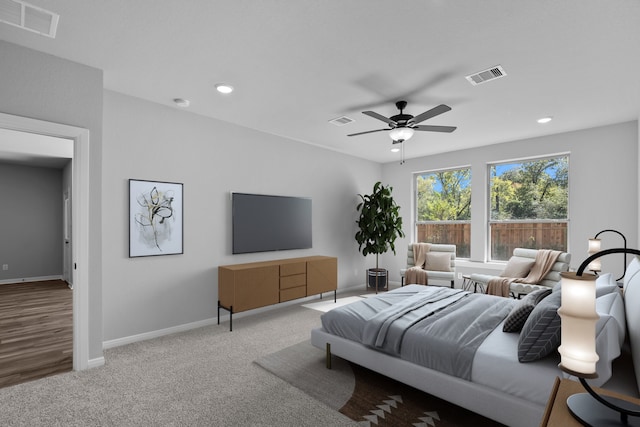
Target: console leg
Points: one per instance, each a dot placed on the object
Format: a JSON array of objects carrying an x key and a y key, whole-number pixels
[
  {"x": 230, "y": 310},
  {"x": 328, "y": 356}
]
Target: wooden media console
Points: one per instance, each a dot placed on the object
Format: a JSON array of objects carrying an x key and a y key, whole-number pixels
[{"x": 252, "y": 285}]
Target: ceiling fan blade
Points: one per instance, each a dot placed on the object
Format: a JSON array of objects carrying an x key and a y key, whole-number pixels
[
  {"x": 369, "y": 131},
  {"x": 430, "y": 128},
  {"x": 431, "y": 113},
  {"x": 388, "y": 91},
  {"x": 380, "y": 117}
]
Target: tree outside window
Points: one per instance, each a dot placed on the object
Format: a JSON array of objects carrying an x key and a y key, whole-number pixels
[
  {"x": 443, "y": 208},
  {"x": 529, "y": 205}
]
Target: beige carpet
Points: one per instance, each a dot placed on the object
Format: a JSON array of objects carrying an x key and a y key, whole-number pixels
[{"x": 362, "y": 395}]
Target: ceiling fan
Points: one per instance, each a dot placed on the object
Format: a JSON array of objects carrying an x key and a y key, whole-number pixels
[{"x": 402, "y": 126}]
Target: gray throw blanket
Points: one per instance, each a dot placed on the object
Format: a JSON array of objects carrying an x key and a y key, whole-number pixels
[
  {"x": 440, "y": 329},
  {"x": 378, "y": 333}
]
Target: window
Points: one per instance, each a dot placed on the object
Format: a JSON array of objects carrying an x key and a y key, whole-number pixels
[
  {"x": 529, "y": 205},
  {"x": 443, "y": 208}
]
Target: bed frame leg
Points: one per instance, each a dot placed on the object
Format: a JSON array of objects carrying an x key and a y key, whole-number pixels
[{"x": 328, "y": 356}]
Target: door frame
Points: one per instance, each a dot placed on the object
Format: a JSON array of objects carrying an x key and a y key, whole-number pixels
[{"x": 80, "y": 223}]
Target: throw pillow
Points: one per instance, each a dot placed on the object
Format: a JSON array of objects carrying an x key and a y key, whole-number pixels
[
  {"x": 517, "y": 268},
  {"x": 438, "y": 261},
  {"x": 540, "y": 334},
  {"x": 520, "y": 312}
]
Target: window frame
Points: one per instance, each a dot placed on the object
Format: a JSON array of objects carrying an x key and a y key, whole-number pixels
[
  {"x": 417, "y": 223},
  {"x": 490, "y": 222}
]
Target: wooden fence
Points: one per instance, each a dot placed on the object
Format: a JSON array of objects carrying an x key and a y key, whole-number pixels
[{"x": 505, "y": 237}]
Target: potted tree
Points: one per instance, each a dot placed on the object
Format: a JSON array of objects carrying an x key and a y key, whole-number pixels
[{"x": 379, "y": 226}]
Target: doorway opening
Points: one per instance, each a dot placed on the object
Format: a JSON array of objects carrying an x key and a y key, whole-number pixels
[{"x": 79, "y": 230}]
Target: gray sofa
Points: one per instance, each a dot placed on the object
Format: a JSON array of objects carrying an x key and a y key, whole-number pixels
[
  {"x": 517, "y": 290},
  {"x": 433, "y": 274}
]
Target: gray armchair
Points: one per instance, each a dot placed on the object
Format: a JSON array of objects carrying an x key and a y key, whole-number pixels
[
  {"x": 523, "y": 257},
  {"x": 434, "y": 274}
]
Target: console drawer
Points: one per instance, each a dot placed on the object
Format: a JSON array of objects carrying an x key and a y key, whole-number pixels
[
  {"x": 291, "y": 268},
  {"x": 293, "y": 293},
  {"x": 293, "y": 281}
]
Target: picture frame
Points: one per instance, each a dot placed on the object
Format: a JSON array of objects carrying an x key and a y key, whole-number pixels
[{"x": 156, "y": 219}]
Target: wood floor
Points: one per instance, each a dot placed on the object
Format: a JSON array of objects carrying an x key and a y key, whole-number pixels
[{"x": 36, "y": 330}]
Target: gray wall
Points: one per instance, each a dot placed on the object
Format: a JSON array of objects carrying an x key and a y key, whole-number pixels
[
  {"x": 603, "y": 189},
  {"x": 31, "y": 224},
  {"x": 48, "y": 88},
  {"x": 143, "y": 140}
]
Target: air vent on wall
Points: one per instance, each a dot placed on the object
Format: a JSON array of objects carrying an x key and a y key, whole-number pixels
[
  {"x": 341, "y": 121},
  {"x": 486, "y": 75},
  {"x": 29, "y": 17}
]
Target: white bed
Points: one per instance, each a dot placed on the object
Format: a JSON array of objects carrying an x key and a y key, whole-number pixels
[{"x": 501, "y": 387}]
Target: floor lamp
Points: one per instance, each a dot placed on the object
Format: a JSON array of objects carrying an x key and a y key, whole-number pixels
[
  {"x": 578, "y": 348},
  {"x": 594, "y": 246}
]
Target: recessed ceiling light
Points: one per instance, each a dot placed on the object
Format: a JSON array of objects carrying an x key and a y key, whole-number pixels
[
  {"x": 181, "y": 102},
  {"x": 545, "y": 119},
  {"x": 395, "y": 149},
  {"x": 224, "y": 88}
]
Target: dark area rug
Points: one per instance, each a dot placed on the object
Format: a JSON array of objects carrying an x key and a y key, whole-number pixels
[{"x": 363, "y": 395}]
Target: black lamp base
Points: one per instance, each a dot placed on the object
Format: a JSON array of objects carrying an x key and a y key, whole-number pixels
[{"x": 593, "y": 414}]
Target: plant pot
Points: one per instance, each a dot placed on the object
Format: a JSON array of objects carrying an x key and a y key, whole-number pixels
[{"x": 377, "y": 273}]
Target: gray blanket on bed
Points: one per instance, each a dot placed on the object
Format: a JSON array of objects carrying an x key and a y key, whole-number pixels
[
  {"x": 440, "y": 330},
  {"x": 386, "y": 329},
  {"x": 448, "y": 339}
]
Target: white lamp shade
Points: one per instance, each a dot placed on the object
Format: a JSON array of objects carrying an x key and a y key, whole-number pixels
[
  {"x": 578, "y": 316},
  {"x": 594, "y": 246},
  {"x": 401, "y": 134},
  {"x": 595, "y": 265}
]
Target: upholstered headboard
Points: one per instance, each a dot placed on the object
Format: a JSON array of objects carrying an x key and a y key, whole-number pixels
[{"x": 632, "y": 310}]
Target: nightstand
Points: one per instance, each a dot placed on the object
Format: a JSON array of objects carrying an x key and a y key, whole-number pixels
[{"x": 557, "y": 414}]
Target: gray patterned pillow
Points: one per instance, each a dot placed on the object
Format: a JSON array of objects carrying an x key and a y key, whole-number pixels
[
  {"x": 540, "y": 334},
  {"x": 521, "y": 311}
]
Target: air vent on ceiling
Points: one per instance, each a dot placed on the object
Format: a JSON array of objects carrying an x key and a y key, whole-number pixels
[
  {"x": 341, "y": 121},
  {"x": 29, "y": 17},
  {"x": 486, "y": 75}
]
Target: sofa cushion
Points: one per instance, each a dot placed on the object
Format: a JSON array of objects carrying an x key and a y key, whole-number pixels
[
  {"x": 438, "y": 261},
  {"x": 540, "y": 334},
  {"x": 520, "y": 312},
  {"x": 517, "y": 267}
]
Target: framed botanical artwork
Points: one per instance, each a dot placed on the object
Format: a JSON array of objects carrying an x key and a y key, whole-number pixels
[{"x": 155, "y": 218}]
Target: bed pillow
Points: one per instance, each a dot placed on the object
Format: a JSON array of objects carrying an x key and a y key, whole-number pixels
[
  {"x": 438, "y": 261},
  {"x": 540, "y": 334},
  {"x": 605, "y": 284},
  {"x": 517, "y": 268},
  {"x": 522, "y": 309}
]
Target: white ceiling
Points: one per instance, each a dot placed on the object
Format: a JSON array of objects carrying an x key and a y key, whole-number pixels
[{"x": 296, "y": 64}]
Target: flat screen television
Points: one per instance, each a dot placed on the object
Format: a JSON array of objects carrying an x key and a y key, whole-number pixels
[{"x": 264, "y": 223}]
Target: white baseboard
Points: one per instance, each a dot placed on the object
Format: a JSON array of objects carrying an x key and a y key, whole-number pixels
[
  {"x": 95, "y": 363},
  {"x": 29, "y": 279},
  {"x": 158, "y": 333},
  {"x": 224, "y": 316}
]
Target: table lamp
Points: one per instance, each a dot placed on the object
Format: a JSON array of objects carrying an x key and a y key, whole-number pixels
[{"x": 578, "y": 349}]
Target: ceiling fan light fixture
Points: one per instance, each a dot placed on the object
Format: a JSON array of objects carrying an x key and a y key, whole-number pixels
[
  {"x": 395, "y": 149},
  {"x": 401, "y": 134},
  {"x": 545, "y": 119}
]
